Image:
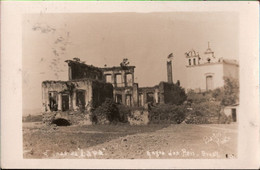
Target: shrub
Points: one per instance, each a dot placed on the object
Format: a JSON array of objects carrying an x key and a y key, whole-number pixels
[
  {"x": 173, "y": 94},
  {"x": 138, "y": 117},
  {"x": 167, "y": 113},
  {"x": 124, "y": 112},
  {"x": 107, "y": 112},
  {"x": 227, "y": 95},
  {"x": 200, "y": 97},
  {"x": 230, "y": 92},
  {"x": 203, "y": 113}
]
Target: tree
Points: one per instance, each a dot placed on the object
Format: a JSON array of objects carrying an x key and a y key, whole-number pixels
[
  {"x": 174, "y": 94},
  {"x": 230, "y": 92}
]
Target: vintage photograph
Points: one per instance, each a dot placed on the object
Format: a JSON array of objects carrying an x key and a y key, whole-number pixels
[{"x": 125, "y": 85}]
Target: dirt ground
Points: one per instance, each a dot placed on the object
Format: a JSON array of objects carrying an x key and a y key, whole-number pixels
[{"x": 182, "y": 141}]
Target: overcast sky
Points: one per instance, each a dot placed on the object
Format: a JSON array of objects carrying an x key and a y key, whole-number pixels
[{"x": 146, "y": 39}]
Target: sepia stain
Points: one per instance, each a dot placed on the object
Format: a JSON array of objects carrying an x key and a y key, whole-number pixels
[
  {"x": 43, "y": 28},
  {"x": 252, "y": 124}
]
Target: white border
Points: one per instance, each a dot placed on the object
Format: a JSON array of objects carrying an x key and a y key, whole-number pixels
[{"x": 11, "y": 82}]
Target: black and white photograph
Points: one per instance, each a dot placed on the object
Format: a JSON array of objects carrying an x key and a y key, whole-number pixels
[{"x": 132, "y": 85}]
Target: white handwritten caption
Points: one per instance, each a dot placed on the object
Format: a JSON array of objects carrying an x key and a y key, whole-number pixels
[
  {"x": 80, "y": 153},
  {"x": 217, "y": 138},
  {"x": 182, "y": 153}
]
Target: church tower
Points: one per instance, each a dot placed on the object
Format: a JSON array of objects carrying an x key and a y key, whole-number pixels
[
  {"x": 193, "y": 58},
  {"x": 209, "y": 55}
]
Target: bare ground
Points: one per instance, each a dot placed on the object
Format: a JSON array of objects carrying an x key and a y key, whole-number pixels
[{"x": 182, "y": 141}]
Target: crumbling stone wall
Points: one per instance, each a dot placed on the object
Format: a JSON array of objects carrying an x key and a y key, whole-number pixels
[
  {"x": 79, "y": 70},
  {"x": 73, "y": 117},
  {"x": 93, "y": 92}
]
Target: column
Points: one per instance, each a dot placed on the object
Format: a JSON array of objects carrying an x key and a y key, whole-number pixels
[
  {"x": 47, "y": 102},
  {"x": 70, "y": 73},
  {"x": 86, "y": 99},
  {"x": 113, "y": 79},
  {"x": 144, "y": 97},
  {"x": 133, "y": 78},
  {"x": 74, "y": 105},
  {"x": 59, "y": 102},
  {"x": 123, "y": 98},
  {"x": 156, "y": 97},
  {"x": 123, "y": 78},
  {"x": 43, "y": 100}
]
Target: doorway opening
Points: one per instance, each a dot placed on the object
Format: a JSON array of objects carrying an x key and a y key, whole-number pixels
[{"x": 61, "y": 122}]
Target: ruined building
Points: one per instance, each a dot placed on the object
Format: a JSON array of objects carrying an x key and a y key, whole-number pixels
[
  {"x": 84, "y": 88},
  {"x": 89, "y": 86}
]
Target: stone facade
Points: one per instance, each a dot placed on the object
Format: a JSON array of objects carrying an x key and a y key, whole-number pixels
[
  {"x": 89, "y": 86},
  {"x": 74, "y": 94}
]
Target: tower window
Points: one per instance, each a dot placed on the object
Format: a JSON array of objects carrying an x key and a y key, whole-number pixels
[
  {"x": 194, "y": 61},
  {"x": 189, "y": 61}
]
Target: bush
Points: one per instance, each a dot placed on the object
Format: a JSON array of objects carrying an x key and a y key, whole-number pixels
[
  {"x": 230, "y": 92},
  {"x": 107, "y": 112},
  {"x": 167, "y": 113},
  {"x": 200, "y": 97},
  {"x": 173, "y": 94},
  {"x": 139, "y": 117},
  {"x": 203, "y": 113},
  {"x": 124, "y": 112},
  {"x": 227, "y": 95}
]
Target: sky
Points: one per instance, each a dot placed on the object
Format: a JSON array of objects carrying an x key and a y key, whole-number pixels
[{"x": 146, "y": 39}]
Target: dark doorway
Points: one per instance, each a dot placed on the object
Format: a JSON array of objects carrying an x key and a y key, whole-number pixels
[
  {"x": 53, "y": 96},
  {"x": 81, "y": 99},
  {"x": 65, "y": 102},
  {"x": 209, "y": 82},
  {"x": 118, "y": 98},
  {"x": 61, "y": 122},
  {"x": 150, "y": 97},
  {"x": 234, "y": 115}
]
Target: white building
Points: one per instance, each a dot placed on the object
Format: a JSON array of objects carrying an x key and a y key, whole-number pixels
[{"x": 207, "y": 72}]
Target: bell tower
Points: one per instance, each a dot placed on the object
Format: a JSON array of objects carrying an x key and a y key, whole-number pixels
[
  {"x": 209, "y": 55},
  {"x": 193, "y": 58}
]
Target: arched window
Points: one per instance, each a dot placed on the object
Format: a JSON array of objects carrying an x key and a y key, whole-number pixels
[
  {"x": 194, "y": 61},
  {"x": 189, "y": 61}
]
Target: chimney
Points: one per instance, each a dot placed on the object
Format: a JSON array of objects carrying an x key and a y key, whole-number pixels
[{"x": 169, "y": 71}]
